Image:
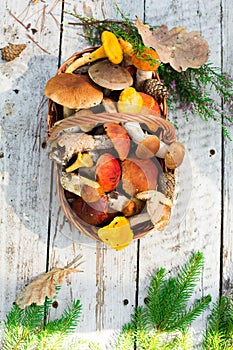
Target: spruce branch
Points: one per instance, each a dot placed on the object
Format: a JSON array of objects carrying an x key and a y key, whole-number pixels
[
  {"x": 166, "y": 308},
  {"x": 26, "y": 328},
  {"x": 165, "y": 320},
  {"x": 219, "y": 332}
]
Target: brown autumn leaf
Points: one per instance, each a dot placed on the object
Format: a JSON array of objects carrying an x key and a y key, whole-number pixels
[
  {"x": 45, "y": 285},
  {"x": 181, "y": 49}
]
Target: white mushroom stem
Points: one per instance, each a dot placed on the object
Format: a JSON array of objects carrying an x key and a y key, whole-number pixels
[
  {"x": 74, "y": 183},
  {"x": 138, "y": 219},
  {"x": 141, "y": 76},
  {"x": 155, "y": 204},
  {"x": 135, "y": 131},
  {"x": 162, "y": 150}
]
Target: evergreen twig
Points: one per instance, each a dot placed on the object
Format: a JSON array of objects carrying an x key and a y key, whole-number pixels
[
  {"x": 219, "y": 332},
  {"x": 164, "y": 322}
]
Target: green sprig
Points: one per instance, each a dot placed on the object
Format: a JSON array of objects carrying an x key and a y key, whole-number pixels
[{"x": 204, "y": 92}]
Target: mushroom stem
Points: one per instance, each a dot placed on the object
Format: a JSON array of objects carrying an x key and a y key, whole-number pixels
[
  {"x": 141, "y": 76},
  {"x": 83, "y": 160},
  {"x": 74, "y": 183},
  {"x": 135, "y": 131},
  {"x": 109, "y": 105},
  {"x": 91, "y": 57},
  {"x": 162, "y": 150},
  {"x": 138, "y": 219}
]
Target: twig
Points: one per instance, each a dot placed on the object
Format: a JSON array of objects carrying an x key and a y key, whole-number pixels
[
  {"x": 17, "y": 20},
  {"x": 40, "y": 47}
]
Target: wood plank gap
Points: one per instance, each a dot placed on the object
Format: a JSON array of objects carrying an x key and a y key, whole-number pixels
[
  {"x": 49, "y": 218},
  {"x": 221, "y": 277},
  {"x": 61, "y": 33},
  {"x": 144, "y": 11},
  {"x": 137, "y": 274},
  {"x": 52, "y": 167}
]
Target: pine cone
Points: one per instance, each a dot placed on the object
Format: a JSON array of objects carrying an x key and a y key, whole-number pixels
[
  {"x": 12, "y": 51},
  {"x": 167, "y": 184},
  {"x": 155, "y": 88}
]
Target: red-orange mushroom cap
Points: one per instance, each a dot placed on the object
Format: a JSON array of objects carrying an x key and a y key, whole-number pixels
[
  {"x": 108, "y": 172},
  {"x": 119, "y": 138}
]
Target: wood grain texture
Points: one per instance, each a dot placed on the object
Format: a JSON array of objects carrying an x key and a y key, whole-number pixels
[
  {"x": 227, "y": 37},
  {"x": 25, "y": 171},
  {"x": 34, "y": 233}
]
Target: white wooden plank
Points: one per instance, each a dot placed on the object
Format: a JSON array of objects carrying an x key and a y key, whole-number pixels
[
  {"x": 108, "y": 281},
  {"x": 25, "y": 169},
  {"x": 196, "y": 221},
  {"x": 228, "y": 159}
]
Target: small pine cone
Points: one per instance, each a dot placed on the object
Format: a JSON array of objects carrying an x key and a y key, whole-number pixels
[
  {"x": 155, "y": 88},
  {"x": 167, "y": 184},
  {"x": 10, "y": 52}
]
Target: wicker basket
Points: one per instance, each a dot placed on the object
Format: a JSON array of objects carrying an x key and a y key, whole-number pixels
[{"x": 56, "y": 124}]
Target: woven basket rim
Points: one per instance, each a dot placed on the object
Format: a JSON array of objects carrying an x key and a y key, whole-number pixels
[{"x": 55, "y": 125}]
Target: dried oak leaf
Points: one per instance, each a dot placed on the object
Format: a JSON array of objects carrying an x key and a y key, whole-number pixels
[
  {"x": 45, "y": 285},
  {"x": 181, "y": 49}
]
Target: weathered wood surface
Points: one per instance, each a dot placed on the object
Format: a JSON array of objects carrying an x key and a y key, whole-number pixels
[{"x": 35, "y": 235}]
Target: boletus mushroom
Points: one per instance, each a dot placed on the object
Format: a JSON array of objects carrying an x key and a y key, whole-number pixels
[
  {"x": 108, "y": 172},
  {"x": 138, "y": 175},
  {"x": 92, "y": 213},
  {"x": 119, "y": 138},
  {"x": 110, "y": 76},
  {"x": 73, "y": 91}
]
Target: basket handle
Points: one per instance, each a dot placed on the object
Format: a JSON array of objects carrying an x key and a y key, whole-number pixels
[{"x": 168, "y": 130}]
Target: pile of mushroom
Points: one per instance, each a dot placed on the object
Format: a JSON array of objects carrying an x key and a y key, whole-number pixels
[{"x": 111, "y": 171}]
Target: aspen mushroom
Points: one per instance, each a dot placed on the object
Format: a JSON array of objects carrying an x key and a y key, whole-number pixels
[
  {"x": 110, "y": 76},
  {"x": 118, "y": 234},
  {"x": 145, "y": 62},
  {"x": 82, "y": 160},
  {"x": 108, "y": 172},
  {"x": 138, "y": 175},
  {"x": 148, "y": 145},
  {"x": 93, "y": 213},
  {"x": 73, "y": 91},
  {"x": 110, "y": 48},
  {"x": 69, "y": 144},
  {"x": 155, "y": 203},
  {"x": 74, "y": 183},
  {"x": 119, "y": 137}
]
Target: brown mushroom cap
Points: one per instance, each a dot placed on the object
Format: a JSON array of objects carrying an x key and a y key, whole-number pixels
[
  {"x": 110, "y": 76},
  {"x": 175, "y": 155},
  {"x": 73, "y": 91},
  {"x": 148, "y": 147},
  {"x": 138, "y": 175}
]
